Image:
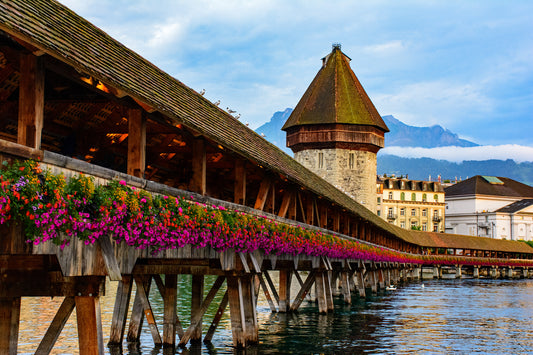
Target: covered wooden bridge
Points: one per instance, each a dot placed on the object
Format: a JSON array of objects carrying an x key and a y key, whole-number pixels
[{"x": 79, "y": 102}]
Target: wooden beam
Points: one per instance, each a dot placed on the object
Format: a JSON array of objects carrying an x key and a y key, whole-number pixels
[
  {"x": 137, "y": 313},
  {"x": 310, "y": 211},
  {"x": 321, "y": 292},
  {"x": 120, "y": 311},
  {"x": 147, "y": 308},
  {"x": 345, "y": 286},
  {"x": 262, "y": 193},
  {"x": 136, "y": 142},
  {"x": 272, "y": 287},
  {"x": 31, "y": 101},
  {"x": 197, "y": 297},
  {"x": 285, "y": 277},
  {"x": 199, "y": 166},
  {"x": 55, "y": 328},
  {"x": 304, "y": 290},
  {"x": 267, "y": 293},
  {"x": 218, "y": 316},
  {"x": 240, "y": 182},
  {"x": 285, "y": 203}
]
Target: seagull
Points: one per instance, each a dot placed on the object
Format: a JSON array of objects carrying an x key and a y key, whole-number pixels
[
  {"x": 238, "y": 116},
  {"x": 202, "y": 92},
  {"x": 217, "y": 103},
  {"x": 230, "y": 110},
  {"x": 262, "y": 134},
  {"x": 247, "y": 124}
]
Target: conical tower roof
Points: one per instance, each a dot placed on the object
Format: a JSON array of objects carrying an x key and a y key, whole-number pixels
[{"x": 335, "y": 97}]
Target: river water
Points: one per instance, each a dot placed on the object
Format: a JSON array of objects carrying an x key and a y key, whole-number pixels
[{"x": 434, "y": 317}]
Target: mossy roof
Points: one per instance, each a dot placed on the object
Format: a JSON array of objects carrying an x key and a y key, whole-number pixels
[{"x": 335, "y": 96}]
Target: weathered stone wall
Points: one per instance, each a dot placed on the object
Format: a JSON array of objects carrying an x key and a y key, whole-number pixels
[{"x": 353, "y": 172}]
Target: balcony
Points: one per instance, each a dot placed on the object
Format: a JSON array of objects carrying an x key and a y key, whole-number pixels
[
  {"x": 391, "y": 216},
  {"x": 437, "y": 218}
]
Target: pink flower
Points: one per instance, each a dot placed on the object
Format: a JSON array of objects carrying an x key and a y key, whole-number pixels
[{"x": 122, "y": 182}]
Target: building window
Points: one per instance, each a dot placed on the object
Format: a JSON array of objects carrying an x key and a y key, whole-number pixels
[
  {"x": 402, "y": 196},
  {"x": 391, "y": 212},
  {"x": 402, "y": 211},
  {"x": 436, "y": 198},
  {"x": 379, "y": 212},
  {"x": 435, "y": 213},
  {"x": 379, "y": 200},
  {"x": 402, "y": 224},
  {"x": 390, "y": 195},
  {"x": 413, "y": 197},
  {"x": 321, "y": 160},
  {"x": 435, "y": 227},
  {"x": 424, "y": 212},
  {"x": 413, "y": 224},
  {"x": 424, "y": 197},
  {"x": 351, "y": 161},
  {"x": 424, "y": 227},
  {"x": 413, "y": 212}
]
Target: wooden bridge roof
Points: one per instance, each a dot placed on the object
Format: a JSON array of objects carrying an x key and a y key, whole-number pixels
[
  {"x": 455, "y": 241},
  {"x": 59, "y": 32}
]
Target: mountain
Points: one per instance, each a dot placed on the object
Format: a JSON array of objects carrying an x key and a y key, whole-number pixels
[
  {"x": 272, "y": 130},
  {"x": 423, "y": 168},
  {"x": 403, "y": 135}
]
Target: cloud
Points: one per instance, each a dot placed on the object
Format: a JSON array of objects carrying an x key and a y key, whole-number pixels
[{"x": 518, "y": 153}]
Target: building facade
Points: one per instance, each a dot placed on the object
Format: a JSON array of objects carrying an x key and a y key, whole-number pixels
[
  {"x": 335, "y": 131},
  {"x": 488, "y": 206},
  {"x": 411, "y": 204}
]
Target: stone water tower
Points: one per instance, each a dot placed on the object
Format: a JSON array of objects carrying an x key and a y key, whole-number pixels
[{"x": 335, "y": 130}]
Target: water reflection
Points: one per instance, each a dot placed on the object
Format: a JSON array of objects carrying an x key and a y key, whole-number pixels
[{"x": 446, "y": 316}]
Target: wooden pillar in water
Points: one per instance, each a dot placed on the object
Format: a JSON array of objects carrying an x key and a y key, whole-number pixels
[
  {"x": 381, "y": 278},
  {"x": 120, "y": 311},
  {"x": 196, "y": 303},
  {"x": 90, "y": 336},
  {"x": 285, "y": 277},
  {"x": 475, "y": 272},
  {"x": 9, "y": 325},
  {"x": 321, "y": 292},
  {"x": 360, "y": 283},
  {"x": 329, "y": 292},
  {"x": 170, "y": 298},
  {"x": 242, "y": 310},
  {"x": 346, "y": 294}
]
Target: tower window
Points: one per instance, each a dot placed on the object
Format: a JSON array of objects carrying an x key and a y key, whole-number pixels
[
  {"x": 321, "y": 160},
  {"x": 351, "y": 161}
]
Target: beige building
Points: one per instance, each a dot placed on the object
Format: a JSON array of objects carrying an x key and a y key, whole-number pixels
[{"x": 411, "y": 204}]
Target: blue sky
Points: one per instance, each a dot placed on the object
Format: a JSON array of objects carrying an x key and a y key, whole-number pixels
[{"x": 466, "y": 65}]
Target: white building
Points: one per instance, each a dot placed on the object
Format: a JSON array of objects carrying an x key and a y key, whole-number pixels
[{"x": 488, "y": 206}]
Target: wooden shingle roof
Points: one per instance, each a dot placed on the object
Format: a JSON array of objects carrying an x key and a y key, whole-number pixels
[{"x": 335, "y": 96}]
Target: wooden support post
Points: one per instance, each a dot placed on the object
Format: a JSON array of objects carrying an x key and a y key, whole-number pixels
[
  {"x": 321, "y": 292},
  {"x": 285, "y": 203},
  {"x": 381, "y": 278},
  {"x": 347, "y": 296},
  {"x": 137, "y": 313},
  {"x": 267, "y": 293},
  {"x": 239, "y": 194},
  {"x": 90, "y": 336},
  {"x": 120, "y": 311},
  {"x": 170, "y": 299},
  {"x": 55, "y": 328},
  {"x": 242, "y": 311},
  {"x": 360, "y": 283},
  {"x": 199, "y": 166},
  {"x": 306, "y": 287},
  {"x": 373, "y": 281},
  {"x": 217, "y": 318},
  {"x": 310, "y": 215},
  {"x": 323, "y": 217},
  {"x": 197, "y": 297},
  {"x": 31, "y": 101},
  {"x": 329, "y": 293},
  {"x": 285, "y": 277},
  {"x": 271, "y": 284},
  {"x": 147, "y": 309},
  {"x": 9, "y": 325},
  {"x": 136, "y": 142}
]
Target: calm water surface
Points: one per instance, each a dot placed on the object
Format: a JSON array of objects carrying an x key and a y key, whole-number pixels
[{"x": 445, "y": 316}]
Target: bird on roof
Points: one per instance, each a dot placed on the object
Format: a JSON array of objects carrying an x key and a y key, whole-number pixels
[
  {"x": 238, "y": 116},
  {"x": 230, "y": 110},
  {"x": 217, "y": 103},
  {"x": 202, "y": 92},
  {"x": 263, "y": 135},
  {"x": 247, "y": 124}
]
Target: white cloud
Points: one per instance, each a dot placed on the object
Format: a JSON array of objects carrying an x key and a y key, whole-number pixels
[
  {"x": 387, "y": 48},
  {"x": 518, "y": 153}
]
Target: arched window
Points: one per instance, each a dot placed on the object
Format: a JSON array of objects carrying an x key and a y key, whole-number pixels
[
  {"x": 436, "y": 198},
  {"x": 390, "y": 195},
  {"x": 413, "y": 197},
  {"x": 424, "y": 197},
  {"x": 402, "y": 196}
]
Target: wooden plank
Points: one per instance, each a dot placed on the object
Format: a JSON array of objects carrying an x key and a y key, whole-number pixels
[
  {"x": 31, "y": 101},
  {"x": 302, "y": 207},
  {"x": 136, "y": 143},
  {"x": 244, "y": 262},
  {"x": 137, "y": 313},
  {"x": 196, "y": 318},
  {"x": 251, "y": 328},
  {"x": 321, "y": 292},
  {"x": 347, "y": 296},
  {"x": 120, "y": 311},
  {"x": 89, "y": 334},
  {"x": 170, "y": 315},
  {"x": 9, "y": 325},
  {"x": 285, "y": 203},
  {"x": 329, "y": 292},
  {"x": 267, "y": 293},
  {"x": 218, "y": 316},
  {"x": 285, "y": 277},
  {"x": 262, "y": 194},
  {"x": 160, "y": 285},
  {"x": 108, "y": 254},
  {"x": 237, "y": 321},
  {"x": 304, "y": 290},
  {"x": 310, "y": 212},
  {"x": 147, "y": 309},
  {"x": 199, "y": 167},
  {"x": 197, "y": 296},
  {"x": 271, "y": 284},
  {"x": 239, "y": 194}
]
